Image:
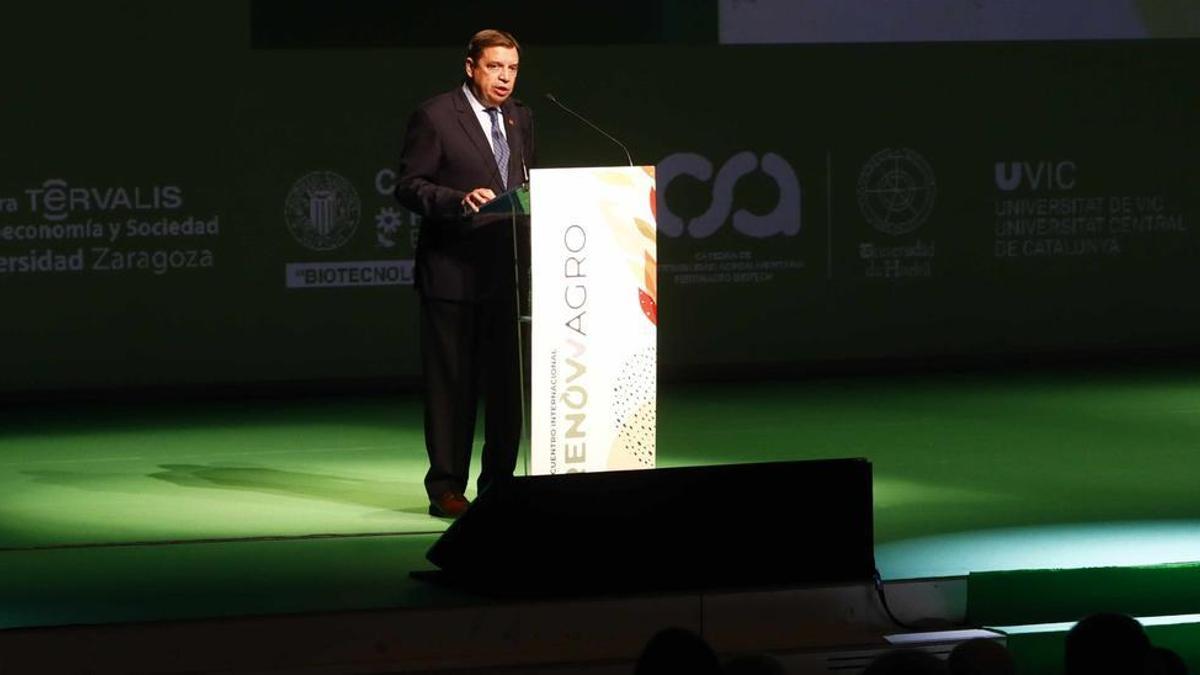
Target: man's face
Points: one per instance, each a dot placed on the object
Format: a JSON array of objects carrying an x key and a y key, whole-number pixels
[{"x": 494, "y": 74}]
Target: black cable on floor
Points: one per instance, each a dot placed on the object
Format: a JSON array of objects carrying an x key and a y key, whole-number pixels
[{"x": 878, "y": 579}]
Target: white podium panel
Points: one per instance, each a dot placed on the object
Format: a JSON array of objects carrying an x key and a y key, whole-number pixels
[{"x": 594, "y": 293}]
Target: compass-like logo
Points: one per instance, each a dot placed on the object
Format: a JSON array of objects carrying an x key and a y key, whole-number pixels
[{"x": 896, "y": 191}]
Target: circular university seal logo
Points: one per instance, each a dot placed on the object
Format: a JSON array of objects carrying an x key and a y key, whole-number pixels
[
  {"x": 896, "y": 191},
  {"x": 322, "y": 210}
]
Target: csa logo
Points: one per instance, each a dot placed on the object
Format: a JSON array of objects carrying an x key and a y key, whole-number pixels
[
  {"x": 896, "y": 191},
  {"x": 783, "y": 220},
  {"x": 322, "y": 211}
]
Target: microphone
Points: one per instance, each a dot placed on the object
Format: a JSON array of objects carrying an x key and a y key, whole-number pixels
[{"x": 585, "y": 120}]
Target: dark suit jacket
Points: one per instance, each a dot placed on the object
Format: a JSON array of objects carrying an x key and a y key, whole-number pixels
[{"x": 445, "y": 156}]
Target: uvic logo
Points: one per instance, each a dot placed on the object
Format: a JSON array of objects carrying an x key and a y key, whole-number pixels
[
  {"x": 1040, "y": 176},
  {"x": 783, "y": 220}
]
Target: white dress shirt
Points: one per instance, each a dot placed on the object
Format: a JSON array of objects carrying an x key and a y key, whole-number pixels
[{"x": 485, "y": 120}]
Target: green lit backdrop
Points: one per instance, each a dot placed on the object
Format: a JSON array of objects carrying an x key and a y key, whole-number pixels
[{"x": 826, "y": 203}]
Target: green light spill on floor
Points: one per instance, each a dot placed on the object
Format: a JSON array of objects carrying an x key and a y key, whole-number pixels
[{"x": 971, "y": 471}]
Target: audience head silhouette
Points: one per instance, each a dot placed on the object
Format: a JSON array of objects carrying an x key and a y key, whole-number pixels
[
  {"x": 906, "y": 662},
  {"x": 1163, "y": 661},
  {"x": 1106, "y": 644},
  {"x": 675, "y": 651},
  {"x": 980, "y": 657}
]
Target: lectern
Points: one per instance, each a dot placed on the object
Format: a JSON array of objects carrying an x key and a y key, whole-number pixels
[{"x": 594, "y": 307}]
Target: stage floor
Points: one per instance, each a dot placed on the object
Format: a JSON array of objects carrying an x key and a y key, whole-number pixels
[{"x": 123, "y": 512}]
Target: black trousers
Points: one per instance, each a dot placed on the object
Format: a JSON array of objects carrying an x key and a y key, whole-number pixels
[{"x": 469, "y": 350}]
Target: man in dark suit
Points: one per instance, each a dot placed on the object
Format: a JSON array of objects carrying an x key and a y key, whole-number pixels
[{"x": 463, "y": 148}]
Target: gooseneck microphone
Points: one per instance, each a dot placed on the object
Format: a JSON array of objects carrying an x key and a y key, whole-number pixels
[{"x": 588, "y": 122}]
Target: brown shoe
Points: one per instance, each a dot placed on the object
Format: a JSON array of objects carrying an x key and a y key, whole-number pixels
[{"x": 448, "y": 505}]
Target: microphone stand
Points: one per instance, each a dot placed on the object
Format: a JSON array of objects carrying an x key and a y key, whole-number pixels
[
  {"x": 522, "y": 320},
  {"x": 588, "y": 122}
]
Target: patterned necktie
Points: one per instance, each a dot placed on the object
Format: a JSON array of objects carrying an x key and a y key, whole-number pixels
[{"x": 499, "y": 146}]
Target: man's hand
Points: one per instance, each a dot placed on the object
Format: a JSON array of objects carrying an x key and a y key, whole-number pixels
[{"x": 477, "y": 198}]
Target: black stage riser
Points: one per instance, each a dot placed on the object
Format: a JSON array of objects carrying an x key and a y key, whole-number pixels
[{"x": 731, "y": 526}]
